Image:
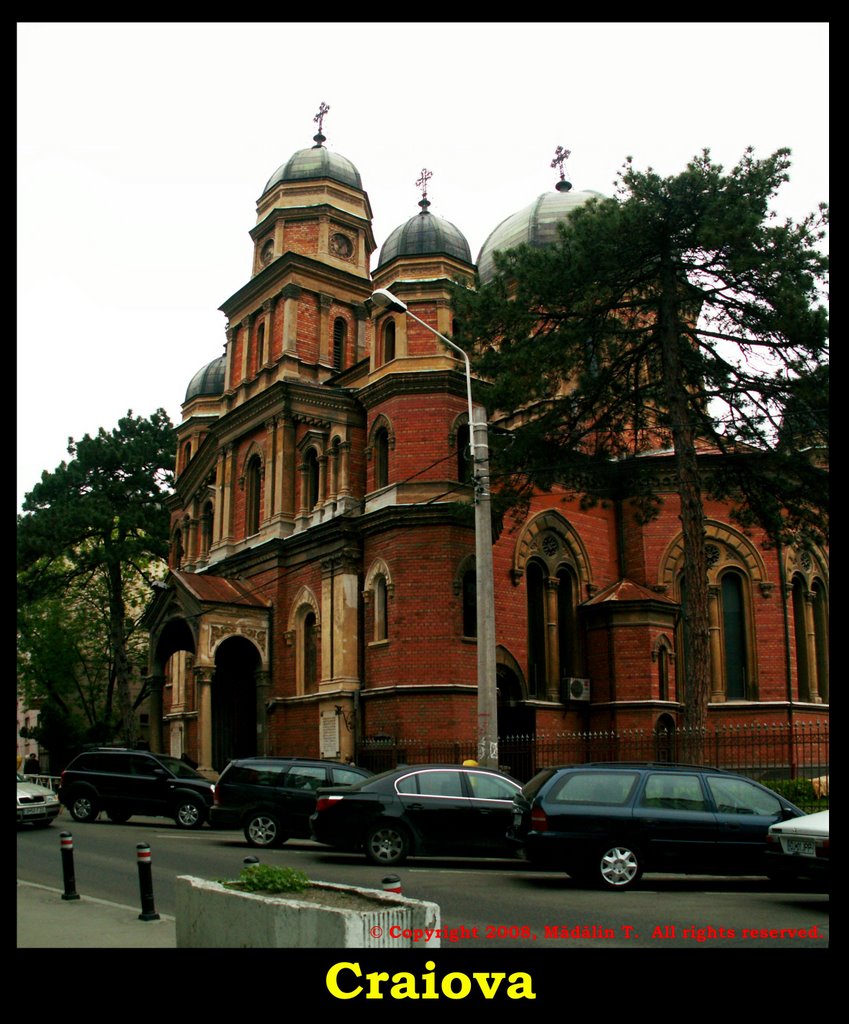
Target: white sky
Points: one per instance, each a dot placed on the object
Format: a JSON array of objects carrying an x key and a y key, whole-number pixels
[{"x": 142, "y": 149}]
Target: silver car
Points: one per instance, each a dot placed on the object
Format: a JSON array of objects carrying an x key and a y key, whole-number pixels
[{"x": 37, "y": 805}]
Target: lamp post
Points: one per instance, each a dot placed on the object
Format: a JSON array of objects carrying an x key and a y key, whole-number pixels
[{"x": 487, "y": 731}]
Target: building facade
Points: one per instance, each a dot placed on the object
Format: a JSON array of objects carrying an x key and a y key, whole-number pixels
[{"x": 322, "y": 584}]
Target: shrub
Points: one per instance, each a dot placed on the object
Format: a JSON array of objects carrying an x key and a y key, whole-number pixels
[
  {"x": 267, "y": 878},
  {"x": 799, "y": 792}
]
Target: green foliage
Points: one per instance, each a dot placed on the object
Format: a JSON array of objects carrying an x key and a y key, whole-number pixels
[
  {"x": 268, "y": 878},
  {"x": 90, "y": 539},
  {"x": 799, "y": 792}
]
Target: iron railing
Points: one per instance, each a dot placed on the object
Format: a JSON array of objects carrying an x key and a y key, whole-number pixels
[{"x": 764, "y": 751}]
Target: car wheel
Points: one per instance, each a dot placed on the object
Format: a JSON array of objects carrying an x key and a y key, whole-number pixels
[
  {"x": 264, "y": 830},
  {"x": 386, "y": 845},
  {"x": 83, "y": 808},
  {"x": 189, "y": 814},
  {"x": 118, "y": 817},
  {"x": 619, "y": 867}
]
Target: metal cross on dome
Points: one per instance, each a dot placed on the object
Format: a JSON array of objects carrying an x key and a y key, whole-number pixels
[
  {"x": 424, "y": 178},
  {"x": 319, "y": 117},
  {"x": 561, "y": 155}
]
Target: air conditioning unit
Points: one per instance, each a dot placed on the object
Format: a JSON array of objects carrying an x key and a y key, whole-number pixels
[{"x": 572, "y": 688}]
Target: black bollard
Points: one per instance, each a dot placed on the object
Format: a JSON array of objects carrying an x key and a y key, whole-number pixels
[
  {"x": 146, "y": 884},
  {"x": 66, "y": 844}
]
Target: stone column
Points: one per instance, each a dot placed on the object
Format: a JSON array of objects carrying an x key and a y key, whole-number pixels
[
  {"x": 344, "y": 481},
  {"x": 203, "y": 688},
  {"x": 156, "y": 684},
  {"x": 361, "y": 343},
  {"x": 290, "y": 294},
  {"x": 246, "y": 345},
  {"x": 263, "y": 683},
  {"x": 552, "y": 645},
  {"x": 322, "y": 480},
  {"x": 811, "y": 643}
]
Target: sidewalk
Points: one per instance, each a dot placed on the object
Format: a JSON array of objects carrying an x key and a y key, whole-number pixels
[{"x": 46, "y": 921}]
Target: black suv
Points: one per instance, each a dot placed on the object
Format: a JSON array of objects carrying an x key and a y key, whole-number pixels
[
  {"x": 272, "y": 798},
  {"x": 124, "y": 782},
  {"x": 608, "y": 823}
]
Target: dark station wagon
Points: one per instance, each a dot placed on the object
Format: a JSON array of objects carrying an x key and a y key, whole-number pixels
[{"x": 608, "y": 823}]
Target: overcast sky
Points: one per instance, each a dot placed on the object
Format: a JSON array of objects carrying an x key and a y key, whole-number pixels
[{"x": 142, "y": 149}]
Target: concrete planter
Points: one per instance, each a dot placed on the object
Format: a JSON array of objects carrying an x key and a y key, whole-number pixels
[{"x": 211, "y": 915}]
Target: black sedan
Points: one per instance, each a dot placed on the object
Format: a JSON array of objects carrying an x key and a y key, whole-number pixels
[{"x": 419, "y": 809}]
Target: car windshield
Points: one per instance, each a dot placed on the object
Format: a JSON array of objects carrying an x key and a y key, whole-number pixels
[{"x": 178, "y": 767}]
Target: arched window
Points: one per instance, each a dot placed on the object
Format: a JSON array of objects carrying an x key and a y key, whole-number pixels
[
  {"x": 309, "y": 649},
  {"x": 734, "y": 637},
  {"x": 253, "y": 494},
  {"x": 464, "y": 454},
  {"x": 381, "y": 457},
  {"x": 470, "y": 603},
  {"x": 567, "y": 622},
  {"x": 311, "y": 461},
  {"x": 340, "y": 331},
  {"x": 388, "y": 341},
  {"x": 187, "y": 453},
  {"x": 536, "y": 629},
  {"x": 381, "y": 624},
  {"x": 663, "y": 673}
]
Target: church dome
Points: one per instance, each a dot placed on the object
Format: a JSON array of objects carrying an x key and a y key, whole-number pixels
[
  {"x": 209, "y": 380},
  {"x": 316, "y": 162},
  {"x": 425, "y": 235},
  {"x": 535, "y": 225}
]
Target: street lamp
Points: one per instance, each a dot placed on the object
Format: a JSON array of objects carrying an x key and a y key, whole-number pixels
[{"x": 487, "y": 732}]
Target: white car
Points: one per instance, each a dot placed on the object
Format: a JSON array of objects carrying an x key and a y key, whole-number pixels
[
  {"x": 799, "y": 846},
  {"x": 37, "y": 805}
]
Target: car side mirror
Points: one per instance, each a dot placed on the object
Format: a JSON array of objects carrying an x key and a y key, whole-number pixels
[{"x": 787, "y": 813}]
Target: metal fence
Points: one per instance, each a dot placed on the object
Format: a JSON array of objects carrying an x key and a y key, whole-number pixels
[{"x": 765, "y": 751}]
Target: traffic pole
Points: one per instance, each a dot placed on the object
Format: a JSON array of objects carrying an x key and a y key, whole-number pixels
[
  {"x": 392, "y": 883},
  {"x": 66, "y": 845},
  {"x": 146, "y": 883}
]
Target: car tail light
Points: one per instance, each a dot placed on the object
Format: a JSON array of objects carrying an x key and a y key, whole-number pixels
[
  {"x": 539, "y": 820},
  {"x": 324, "y": 802}
]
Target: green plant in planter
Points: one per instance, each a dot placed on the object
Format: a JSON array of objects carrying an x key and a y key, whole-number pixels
[{"x": 267, "y": 878}]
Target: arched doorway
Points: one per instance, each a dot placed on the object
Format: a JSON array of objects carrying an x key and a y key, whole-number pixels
[{"x": 234, "y": 722}]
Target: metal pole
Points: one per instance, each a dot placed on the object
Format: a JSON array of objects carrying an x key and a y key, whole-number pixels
[
  {"x": 66, "y": 844},
  {"x": 487, "y": 726},
  {"x": 146, "y": 883}
]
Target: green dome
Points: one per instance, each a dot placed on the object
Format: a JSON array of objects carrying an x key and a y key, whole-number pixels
[
  {"x": 425, "y": 235},
  {"x": 209, "y": 380},
  {"x": 316, "y": 162},
  {"x": 535, "y": 225}
]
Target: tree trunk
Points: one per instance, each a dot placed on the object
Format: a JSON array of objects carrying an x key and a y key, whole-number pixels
[
  {"x": 119, "y": 654},
  {"x": 697, "y": 684}
]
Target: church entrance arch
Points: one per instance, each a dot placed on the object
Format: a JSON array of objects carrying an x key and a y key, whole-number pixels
[{"x": 234, "y": 723}]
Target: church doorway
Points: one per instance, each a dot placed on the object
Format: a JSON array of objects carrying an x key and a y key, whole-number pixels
[{"x": 234, "y": 724}]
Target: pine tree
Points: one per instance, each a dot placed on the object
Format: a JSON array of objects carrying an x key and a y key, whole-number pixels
[{"x": 680, "y": 314}]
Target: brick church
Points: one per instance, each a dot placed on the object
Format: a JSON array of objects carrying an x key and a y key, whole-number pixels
[{"x": 322, "y": 570}]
